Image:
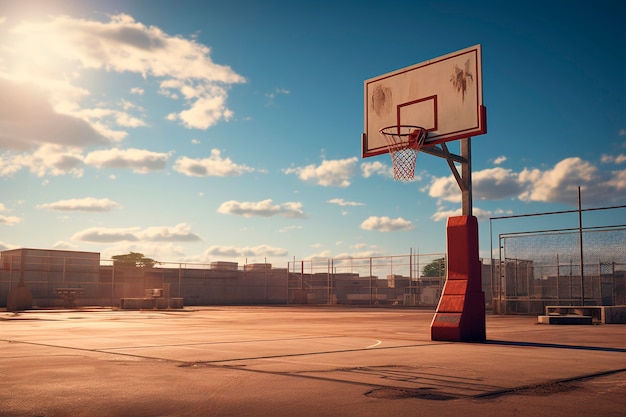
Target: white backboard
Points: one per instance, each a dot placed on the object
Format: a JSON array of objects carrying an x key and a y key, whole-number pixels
[{"x": 442, "y": 95}]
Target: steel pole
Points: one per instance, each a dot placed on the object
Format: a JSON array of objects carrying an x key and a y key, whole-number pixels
[
  {"x": 466, "y": 175},
  {"x": 580, "y": 239}
]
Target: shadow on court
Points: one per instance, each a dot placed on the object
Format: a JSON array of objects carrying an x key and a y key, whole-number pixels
[{"x": 305, "y": 361}]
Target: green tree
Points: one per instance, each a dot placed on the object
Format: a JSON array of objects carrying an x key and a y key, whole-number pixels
[
  {"x": 134, "y": 259},
  {"x": 437, "y": 268}
]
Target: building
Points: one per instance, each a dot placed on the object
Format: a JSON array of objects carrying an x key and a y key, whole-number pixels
[{"x": 45, "y": 271}]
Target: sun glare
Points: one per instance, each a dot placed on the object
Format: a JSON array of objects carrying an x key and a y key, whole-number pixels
[{"x": 35, "y": 54}]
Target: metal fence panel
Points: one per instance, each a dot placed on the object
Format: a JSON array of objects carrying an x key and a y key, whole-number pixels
[
  {"x": 585, "y": 267},
  {"x": 398, "y": 280}
]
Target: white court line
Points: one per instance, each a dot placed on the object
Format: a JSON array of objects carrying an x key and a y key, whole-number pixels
[{"x": 378, "y": 342}]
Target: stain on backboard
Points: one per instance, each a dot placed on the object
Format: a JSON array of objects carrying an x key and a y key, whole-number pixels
[
  {"x": 461, "y": 78},
  {"x": 382, "y": 100}
]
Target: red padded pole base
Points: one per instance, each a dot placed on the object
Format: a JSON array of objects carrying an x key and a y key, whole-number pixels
[{"x": 460, "y": 315}]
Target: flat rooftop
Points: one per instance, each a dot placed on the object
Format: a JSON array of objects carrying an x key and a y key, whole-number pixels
[{"x": 302, "y": 361}]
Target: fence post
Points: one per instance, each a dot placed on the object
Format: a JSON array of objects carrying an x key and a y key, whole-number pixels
[
  {"x": 333, "y": 293},
  {"x": 558, "y": 273},
  {"x": 180, "y": 273},
  {"x": 112, "y": 283},
  {"x": 599, "y": 282},
  {"x": 287, "y": 281},
  {"x": 613, "y": 292},
  {"x": 580, "y": 238},
  {"x": 613, "y": 295},
  {"x": 328, "y": 281},
  {"x": 501, "y": 276},
  {"x": 371, "y": 289}
]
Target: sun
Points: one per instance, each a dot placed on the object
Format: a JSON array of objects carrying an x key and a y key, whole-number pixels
[{"x": 35, "y": 52}]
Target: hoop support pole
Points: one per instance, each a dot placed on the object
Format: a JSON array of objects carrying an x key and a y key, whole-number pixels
[
  {"x": 463, "y": 178},
  {"x": 466, "y": 173}
]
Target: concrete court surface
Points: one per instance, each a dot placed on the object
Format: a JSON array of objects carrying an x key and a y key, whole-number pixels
[{"x": 302, "y": 361}]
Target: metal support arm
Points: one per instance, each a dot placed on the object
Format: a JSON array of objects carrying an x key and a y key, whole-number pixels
[{"x": 464, "y": 178}]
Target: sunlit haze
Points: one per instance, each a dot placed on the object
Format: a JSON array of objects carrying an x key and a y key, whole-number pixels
[{"x": 202, "y": 131}]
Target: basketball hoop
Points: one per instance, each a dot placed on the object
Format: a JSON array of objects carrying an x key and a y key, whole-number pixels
[{"x": 404, "y": 143}]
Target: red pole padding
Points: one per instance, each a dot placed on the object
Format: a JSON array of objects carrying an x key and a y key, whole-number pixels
[{"x": 460, "y": 314}]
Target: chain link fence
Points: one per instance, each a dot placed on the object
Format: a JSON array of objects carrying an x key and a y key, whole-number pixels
[
  {"x": 571, "y": 267},
  {"x": 53, "y": 277},
  {"x": 415, "y": 280}
]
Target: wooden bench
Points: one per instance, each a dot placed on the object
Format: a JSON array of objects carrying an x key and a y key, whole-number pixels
[{"x": 598, "y": 314}]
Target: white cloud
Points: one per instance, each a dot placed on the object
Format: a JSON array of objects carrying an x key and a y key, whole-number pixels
[
  {"x": 557, "y": 184},
  {"x": 213, "y": 166},
  {"x": 480, "y": 214},
  {"x": 107, "y": 235},
  {"x": 445, "y": 188},
  {"x": 56, "y": 160},
  {"x": 610, "y": 159},
  {"x": 245, "y": 251},
  {"x": 607, "y": 159},
  {"x": 342, "y": 202},
  {"x": 499, "y": 160},
  {"x": 336, "y": 173},
  {"x": 43, "y": 62},
  {"x": 48, "y": 159},
  {"x": 289, "y": 228},
  {"x": 207, "y": 110},
  {"x": 10, "y": 164},
  {"x": 618, "y": 181},
  {"x": 442, "y": 214},
  {"x": 7, "y": 246},
  {"x": 278, "y": 91},
  {"x": 139, "y": 160},
  {"x": 325, "y": 254},
  {"x": 265, "y": 208},
  {"x": 89, "y": 204},
  {"x": 62, "y": 245},
  {"x": 344, "y": 259},
  {"x": 28, "y": 119},
  {"x": 179, "y": 233},
  {"x": 100, "y": 118},
  {"x": 386, "y": 224},
  {"x": 360, "y": 245},
  {"x": 494, "y": 183},
  {"x": 369, "y": 169},
  {"x": 9, "y": 220},
  {"x": 376, "y": 168}
]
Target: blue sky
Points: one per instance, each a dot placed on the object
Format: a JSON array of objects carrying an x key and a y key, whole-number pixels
[{"x": 199, "y": 131}]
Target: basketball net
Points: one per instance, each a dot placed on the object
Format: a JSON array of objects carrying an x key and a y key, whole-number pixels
[{"x": 404, "y": 143}]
